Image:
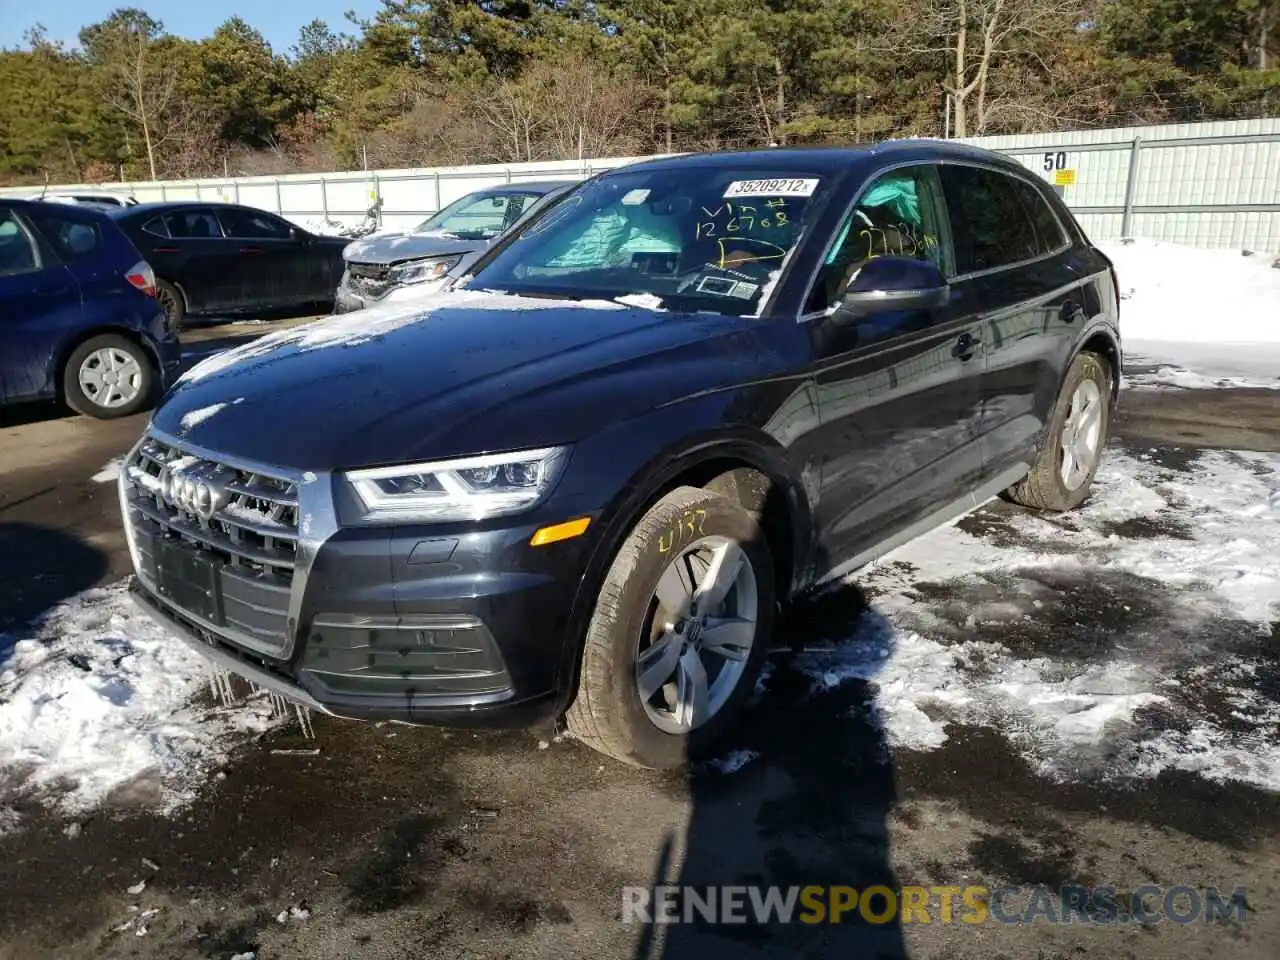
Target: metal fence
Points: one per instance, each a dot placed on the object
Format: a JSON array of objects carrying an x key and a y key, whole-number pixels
[{"x": 1205, "y": 184}]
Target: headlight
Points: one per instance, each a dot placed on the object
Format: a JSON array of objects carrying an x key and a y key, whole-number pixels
[
  {"x": 419, "y": 271},
  {"x": 469, "y": 489}
]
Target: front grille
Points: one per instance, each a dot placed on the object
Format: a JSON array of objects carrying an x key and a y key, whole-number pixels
[{"x": 248, "y": 528}]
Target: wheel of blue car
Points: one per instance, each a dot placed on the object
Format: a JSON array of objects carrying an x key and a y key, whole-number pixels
[
  {"x": 170, "y": 299},
  {"x": 108, "y": 376},
  {"x": 679, "y": 632}
]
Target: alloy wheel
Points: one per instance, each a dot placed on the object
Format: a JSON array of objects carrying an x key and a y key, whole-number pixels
[
  {"x": 699, "y": 634},
  {"x": 1081, "y": 435}
]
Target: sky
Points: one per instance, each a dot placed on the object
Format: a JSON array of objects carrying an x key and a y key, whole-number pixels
[{"x": 278, "y": 20}]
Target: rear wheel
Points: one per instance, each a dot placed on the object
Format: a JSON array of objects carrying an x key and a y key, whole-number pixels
[
  {"x": 679, "y": 632},
  {"x": 170, "y": 299},
  {"x": 1074, "y": 442},
  {"x": 108, "y": 376}
]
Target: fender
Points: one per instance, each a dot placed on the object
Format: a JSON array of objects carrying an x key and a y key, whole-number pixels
[{"x": 649, "y": 480}]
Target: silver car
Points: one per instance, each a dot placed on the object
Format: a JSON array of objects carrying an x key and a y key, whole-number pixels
[{"x": 393, "y": 266}]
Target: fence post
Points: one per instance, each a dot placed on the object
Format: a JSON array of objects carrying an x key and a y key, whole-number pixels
[
  {"x": 164, "y": 194},
  {"x": 1131, "y": 186},
  {"x": 279, "y": 202},
  {"x": 508, "y": 174},
  {"x": 235, "y": 188},
  {"x": 377, "y": 200},
  {"x": 197, "y": 189},
  {"x": 436, "y": 178},
  {"x": 324, "y": 200}
]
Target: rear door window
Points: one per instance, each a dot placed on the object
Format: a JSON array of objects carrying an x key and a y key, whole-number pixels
[
  {"x": 253, "y": 225},
  {"x": 990, "y": 225},
  {"x": 193, "y": 225},
  {"x": 18, "y": 254}
]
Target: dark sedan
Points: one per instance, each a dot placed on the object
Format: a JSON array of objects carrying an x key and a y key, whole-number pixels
[
  {"x": 583, "y": 485},
  {"x": 223, "y": 258}
]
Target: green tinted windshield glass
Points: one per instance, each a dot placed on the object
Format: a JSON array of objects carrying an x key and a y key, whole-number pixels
[{"x": 713, "y": 238}]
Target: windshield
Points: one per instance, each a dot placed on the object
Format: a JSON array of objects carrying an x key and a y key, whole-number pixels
[
  {"x": 712, "y": 238},
  {"x": 479, "y": 216}
]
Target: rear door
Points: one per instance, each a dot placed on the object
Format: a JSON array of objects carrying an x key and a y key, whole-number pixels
[
  {"x": 197, "y": 257},
  {"x": 1012, "y": 248},
  {"x": 39, "y": 301},
  {"x": 274, "y": 262},
  {"x": 900, "y": 392}
]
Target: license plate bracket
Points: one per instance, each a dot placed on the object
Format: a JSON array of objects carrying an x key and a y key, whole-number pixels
[{"x": 188, "y": 580}]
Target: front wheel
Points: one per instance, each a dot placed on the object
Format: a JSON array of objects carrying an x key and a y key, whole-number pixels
[
  {"x": 108, "y": 376},
  {"x": 1074, "y": 441},
  {"x": 679, "y": 632}
]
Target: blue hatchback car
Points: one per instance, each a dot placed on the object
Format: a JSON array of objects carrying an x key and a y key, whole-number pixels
[{"x": 79, "y": 320}]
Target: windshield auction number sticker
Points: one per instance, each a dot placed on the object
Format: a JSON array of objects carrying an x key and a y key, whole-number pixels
[{"x": 771, "y": 188}]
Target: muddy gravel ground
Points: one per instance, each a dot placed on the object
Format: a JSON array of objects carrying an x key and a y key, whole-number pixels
[{"x": 391, "y": 842}]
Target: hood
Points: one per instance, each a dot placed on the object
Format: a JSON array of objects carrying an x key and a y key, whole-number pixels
[
  {"x": 459, "y": 373},
  {"x": 388, "y": 248}
]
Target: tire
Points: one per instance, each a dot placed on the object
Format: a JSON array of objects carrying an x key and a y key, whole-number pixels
[
  {"x": 1045, "y": 487},
  {"x": 131, "y": 364},
  {"x": 172, "y": 303},
  {"x": 609, "y": 713}
]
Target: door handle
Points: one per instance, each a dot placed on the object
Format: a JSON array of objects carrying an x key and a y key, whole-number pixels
[{"x": 965, "y": 347}]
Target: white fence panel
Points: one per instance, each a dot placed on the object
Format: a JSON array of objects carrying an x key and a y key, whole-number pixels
[{"x": 1208, "y": 184}]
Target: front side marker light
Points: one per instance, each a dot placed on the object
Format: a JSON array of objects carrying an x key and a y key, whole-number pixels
[{"x": 560, "y": 531}]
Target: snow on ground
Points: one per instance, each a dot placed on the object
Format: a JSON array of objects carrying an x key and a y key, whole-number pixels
[
  {"x": 110, "y": 471},
  {"x": 96, "y": 703},
  {"x": 1131, "y": 637},
  {"x": 1199, "y": 318}
]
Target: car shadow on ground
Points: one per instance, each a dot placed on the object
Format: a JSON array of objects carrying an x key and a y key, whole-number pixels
[
  {"x": 800, "y": 797},
  {"x": 39, "y": 568}
]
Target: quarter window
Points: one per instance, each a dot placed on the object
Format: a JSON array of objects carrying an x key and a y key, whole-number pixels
[
  {"x": 71, "y": 239},
  {"x": 17, "y": 249},
  {"x": 1049, "y": 234},
  {"x": 252, "y": 225},
  {"x": 990, "y": 226},
  {"x": 898, "y": 215},
  {"x": 155, "y": 226}
]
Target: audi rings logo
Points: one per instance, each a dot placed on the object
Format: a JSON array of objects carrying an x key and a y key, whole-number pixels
[{"x": 199, "y": 487}]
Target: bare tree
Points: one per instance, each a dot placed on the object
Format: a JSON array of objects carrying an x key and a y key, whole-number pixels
[
  {"x": 584, "y": 112},
  {"x": 511, "y": 109},
  {"x": 138, "y": 79},
  {"x": 973, "y": 35}
]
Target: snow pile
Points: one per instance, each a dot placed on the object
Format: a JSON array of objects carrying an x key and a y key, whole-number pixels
[
  {"x": 1103, "y": 642},
  {"x": 1171, "y": 293},
  {"x": 96, "y": 701}
]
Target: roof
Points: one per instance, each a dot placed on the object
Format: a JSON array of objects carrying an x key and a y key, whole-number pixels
[
  {"x": 160, "y": 206},
  {"x": 68, "y": 210},
  {"x": 821, "y": 158},
  {"x": 529, "y": 186}
]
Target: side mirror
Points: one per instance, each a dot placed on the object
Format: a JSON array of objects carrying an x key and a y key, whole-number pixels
[{"x": 894, "y": 283}]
